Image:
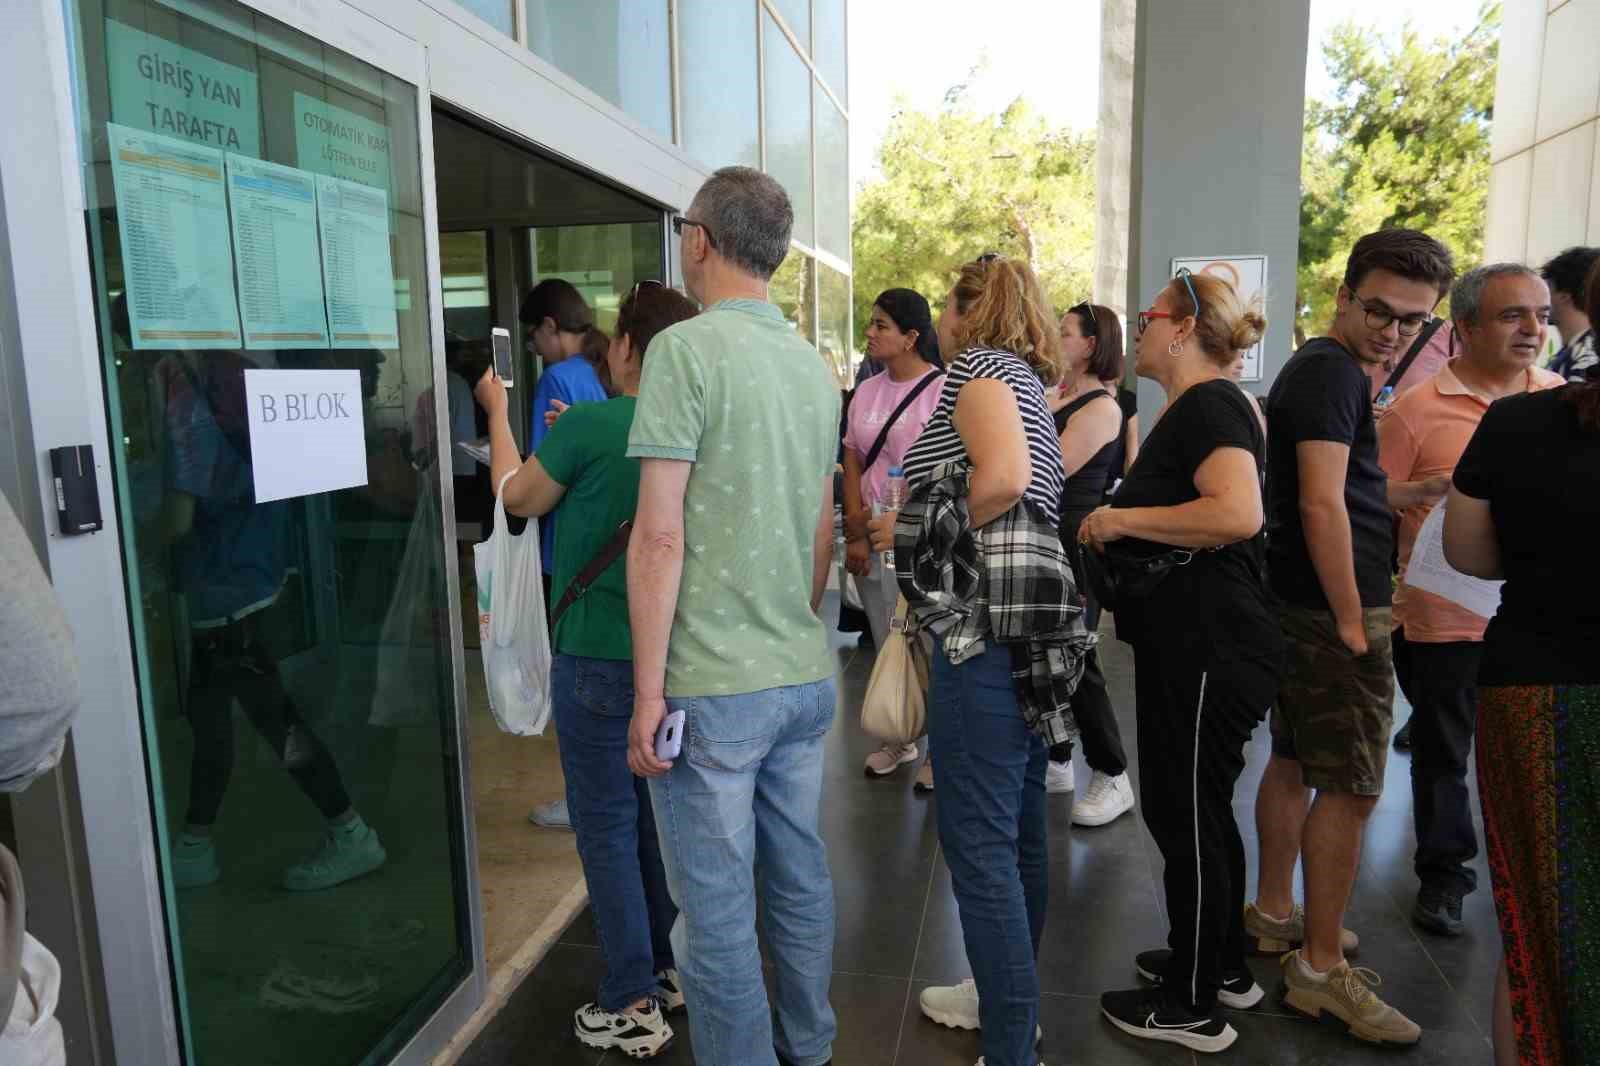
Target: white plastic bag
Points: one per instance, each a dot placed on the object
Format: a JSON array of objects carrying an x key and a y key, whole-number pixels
[{"x": 512, "y": 633}]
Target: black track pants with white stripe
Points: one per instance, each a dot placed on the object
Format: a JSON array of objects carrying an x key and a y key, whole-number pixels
[{"x": 1195, "y": 716}]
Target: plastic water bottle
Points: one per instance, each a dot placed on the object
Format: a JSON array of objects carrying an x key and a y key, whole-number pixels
[
  {"x": 1385, "y": 398},
  {"x": 894, "y": 498}
]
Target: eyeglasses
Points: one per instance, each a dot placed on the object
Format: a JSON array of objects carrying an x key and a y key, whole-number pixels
[
  {"x": 1378, "y": 318},
  {"x": 1185, "y": 274},
  {"x": 1145, "y": 318},
  {"x": 628, "y": 299},
  {"x": 1087, "y": 308},
  {"x": 679, "y": 221},
  {"x": 987, "y": 257}
]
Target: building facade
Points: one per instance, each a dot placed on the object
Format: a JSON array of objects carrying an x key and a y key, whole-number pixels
[{"x": 218, "y": 211}]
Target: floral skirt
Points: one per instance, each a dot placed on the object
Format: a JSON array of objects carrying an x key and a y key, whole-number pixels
[{"x": 1539, "y": 779}]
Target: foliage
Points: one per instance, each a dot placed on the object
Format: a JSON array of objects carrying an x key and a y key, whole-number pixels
[
  {"x": 956, "y": 184},
  {"x": 1403, "y": 142}
]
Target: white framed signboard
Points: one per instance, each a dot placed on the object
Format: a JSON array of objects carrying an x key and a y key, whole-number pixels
[{"x": 1248, "y": 275}]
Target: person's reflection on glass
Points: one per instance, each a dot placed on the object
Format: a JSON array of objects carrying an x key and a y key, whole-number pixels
[{"x": 230, "y": 560}]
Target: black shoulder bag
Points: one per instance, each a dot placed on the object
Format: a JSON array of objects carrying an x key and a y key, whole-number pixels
[
  {"x": 883, "y": 434},
  {"x": 1411, "y": 356},
  {"x": 609, "y": 553}
]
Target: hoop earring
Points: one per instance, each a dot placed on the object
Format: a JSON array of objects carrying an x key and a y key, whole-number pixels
[{"x": 1174, "y": 348}]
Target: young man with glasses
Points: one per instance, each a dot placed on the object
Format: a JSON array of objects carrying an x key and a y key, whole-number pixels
[{"x": 1330, "y": 542}]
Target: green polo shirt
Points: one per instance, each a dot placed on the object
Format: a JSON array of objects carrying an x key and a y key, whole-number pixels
[{"x": 739, "y": 394}]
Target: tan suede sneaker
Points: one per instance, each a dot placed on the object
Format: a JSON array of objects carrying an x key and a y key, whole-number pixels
[
  {"x": 1348, "y": 995},
  {"x": 1272, "y": 936}
]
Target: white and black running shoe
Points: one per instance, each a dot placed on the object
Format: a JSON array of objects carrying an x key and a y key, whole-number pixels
[
  {"x": 669, "y": 990},
  {"x": 1238, "y": 990},
  {"x": 1149, "y": 1015},
  {"x": 639, "y": 1033}
]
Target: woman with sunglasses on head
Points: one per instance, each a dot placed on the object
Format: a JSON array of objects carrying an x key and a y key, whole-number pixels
[
  {"x": 886, "y": 417},
  {"x": 583, "y": 461},
  {"x": 1089, "y": 420},
  {"x": 1207, "y": 649},
  {"x": 992, "y": 428}
]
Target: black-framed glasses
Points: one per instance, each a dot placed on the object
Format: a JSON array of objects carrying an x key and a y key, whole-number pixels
[
  {"x": 1087, "y": 308},
  {"x": 679, "y": 221},
  {"x": 1185, "y": 273},
  {"x": 987, "y": 257},
  {"x": 1378, "y": 318}
]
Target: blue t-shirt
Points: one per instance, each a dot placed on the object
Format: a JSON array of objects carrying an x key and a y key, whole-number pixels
[{"x": 573, "y": 380}]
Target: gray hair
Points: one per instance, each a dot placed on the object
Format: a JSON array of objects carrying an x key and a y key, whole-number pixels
[
  {"x": 1467, "y": 297},
  {"x": 749, "y": 216}
]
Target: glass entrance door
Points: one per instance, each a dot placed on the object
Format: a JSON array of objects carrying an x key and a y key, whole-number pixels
[{"x": 259, "y": 253}]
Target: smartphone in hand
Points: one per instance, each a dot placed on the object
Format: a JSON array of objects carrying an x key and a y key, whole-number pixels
[
  {"x": 500, "y": 339},
  {"x": 669, "y": 737}
]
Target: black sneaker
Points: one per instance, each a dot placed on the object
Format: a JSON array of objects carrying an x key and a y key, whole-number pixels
[
  {"x": 1402, "y": 737},
  {"x": 1238, "y": 990},
  {"x": 1149, "y": 1015},
  {"x": 639, "y": 1034},
  {"x": 785, "y": 1062},
  {"x": 1438, "y": 910}
]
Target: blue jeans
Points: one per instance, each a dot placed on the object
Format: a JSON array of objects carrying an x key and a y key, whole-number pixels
[
  {"x": 616, "y": 828},
  {"x": 991, "y": 805},
  {"x": 740, "y": 805}
]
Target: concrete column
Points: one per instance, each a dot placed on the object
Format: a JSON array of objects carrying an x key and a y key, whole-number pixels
[
  {"x": 1113, "y": 154},
  {"x": 1218, "y": 112}
]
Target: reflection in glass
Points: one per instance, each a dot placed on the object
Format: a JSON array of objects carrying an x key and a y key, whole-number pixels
[
  {"x": 294, "y": 655},
  {"x": 797, "y": 15},
  {"x": 603, "y": 261},
  {"x": 833, "y": 310},
  {"x": 616, "y": 48},
  {"x": 833, "y": 178},
  {"x": 794, "y": 290},
  {"x": 787, "y": 84},
  {"x": 828, "y": 51},
  {"x": 717, "y": 82},
  {"x": 496, "y": 13}
]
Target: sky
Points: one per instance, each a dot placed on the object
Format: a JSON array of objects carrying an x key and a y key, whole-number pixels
[{"x": 1045, "y": 50}]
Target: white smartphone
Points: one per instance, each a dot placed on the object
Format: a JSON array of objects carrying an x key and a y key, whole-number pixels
[
  {"x": 501, "y": 339},
  {"x": 669, "y": 737}
]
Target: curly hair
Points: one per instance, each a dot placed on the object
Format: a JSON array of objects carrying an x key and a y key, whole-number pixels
[{"x": 1003, "y": 307}]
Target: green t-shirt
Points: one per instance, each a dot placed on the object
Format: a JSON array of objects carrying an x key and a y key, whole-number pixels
[
  {"x": 736, "y": 392},
  {"x": 586, "y": 452}
]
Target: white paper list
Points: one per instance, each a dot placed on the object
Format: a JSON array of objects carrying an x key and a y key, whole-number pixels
[{"x": 357, "y": 264}]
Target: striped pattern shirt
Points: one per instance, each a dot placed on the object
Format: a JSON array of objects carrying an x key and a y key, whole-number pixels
[{"x": 940, "y": 443}]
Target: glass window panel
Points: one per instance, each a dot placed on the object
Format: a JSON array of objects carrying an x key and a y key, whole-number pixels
[
  {"x": 797, "y": 14},
  {"x": 834, "y": 338},
  {"x": 828, "y": 51},
  {"x": 617, "y": 48},
  {"x": 718, "y": 82},
  {"x": 464, "y": 268},
  {"x": 833, "y": 178},
  {"x": 788, "y": 125},
  {"x": 293, "y": 662},
  {"x": 496, "y": 13},
  {"x": 794, "y": 290}
]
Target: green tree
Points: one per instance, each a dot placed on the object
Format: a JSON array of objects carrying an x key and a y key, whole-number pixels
[
  {"x": 956, "y": 184},
  {"x": 1403, "y": 142}
]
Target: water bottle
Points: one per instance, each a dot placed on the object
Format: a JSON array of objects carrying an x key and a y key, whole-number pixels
[
  {"x": 893, "y": 498},
  {"x": 1385, "y": 398}
]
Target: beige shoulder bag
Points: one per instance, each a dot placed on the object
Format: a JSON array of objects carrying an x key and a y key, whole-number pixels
[{"x": 895, "y": 709}]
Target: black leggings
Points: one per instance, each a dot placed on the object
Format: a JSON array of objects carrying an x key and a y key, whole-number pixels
[
  {"x": 1091, "y": 703},
  {"x": 228, "y": 664}
]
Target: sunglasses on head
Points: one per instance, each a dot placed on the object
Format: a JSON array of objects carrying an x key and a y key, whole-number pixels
[{"x": 651, "y": 282}]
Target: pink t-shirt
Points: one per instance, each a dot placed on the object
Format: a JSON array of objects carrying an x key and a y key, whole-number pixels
[{"x": 875, "y": 400}]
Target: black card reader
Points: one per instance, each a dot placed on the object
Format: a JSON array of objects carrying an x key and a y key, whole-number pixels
[{"x": 77, "y": 492}]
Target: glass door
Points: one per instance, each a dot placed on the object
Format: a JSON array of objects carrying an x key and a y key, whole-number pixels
[{"x": 258, "y": 223}]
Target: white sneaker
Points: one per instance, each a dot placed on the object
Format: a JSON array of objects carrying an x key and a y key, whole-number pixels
[
  {"x": 669, "y": 990},
  {"x": 889, "y": 758},
  {"x": 1059, "y": 777},
  {"x": 552, "y": 815},
  {"x": 638, "y": 1033},
  {"x": 953, "y": 1005},
  {"x": 1105, "y": 800}
]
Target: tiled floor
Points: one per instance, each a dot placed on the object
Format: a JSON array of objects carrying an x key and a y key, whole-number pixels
[{"x": 898, "y": 932}]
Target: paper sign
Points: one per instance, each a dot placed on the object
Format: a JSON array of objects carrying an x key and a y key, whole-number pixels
[
  {"x": 1429, "y": 571},
  {"x": 307, "y": 431},
  {"x": 274, "y": 211},
  {"x": 1248, "y": 276},
  {"x": 341, "y": 144},
  {"x": 357, "y": 264},
  {"x": 172, "y": 220},
  {"x": 165, "y": 88}
]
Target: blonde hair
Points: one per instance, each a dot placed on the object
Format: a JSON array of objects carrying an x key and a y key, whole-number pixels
[
  {"x": 1224, "y": 325},
  {"x": 1003, "y": 307}
]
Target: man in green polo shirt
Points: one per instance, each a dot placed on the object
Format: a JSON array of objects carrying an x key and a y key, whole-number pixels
[{"x": 736, "y": 429}]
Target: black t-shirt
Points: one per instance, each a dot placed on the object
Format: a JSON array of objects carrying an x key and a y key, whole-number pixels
[
  {"x": 1322, "y": 394},
  {"x": 1218, "y": 603},
  {"x": 1540, "y": 473}
]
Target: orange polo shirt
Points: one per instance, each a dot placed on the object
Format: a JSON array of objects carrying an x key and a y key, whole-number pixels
[{"x": 1421, "y": 436}]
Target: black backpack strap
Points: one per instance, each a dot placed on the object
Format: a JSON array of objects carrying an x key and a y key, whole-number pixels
[
  {"x": 1411, "y": 356},
  {"x": 609, "y": 553},
  {"x": 883, "y": 434}
]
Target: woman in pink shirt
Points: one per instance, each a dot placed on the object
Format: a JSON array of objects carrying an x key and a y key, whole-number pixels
[{"x": 901, "y": 337}]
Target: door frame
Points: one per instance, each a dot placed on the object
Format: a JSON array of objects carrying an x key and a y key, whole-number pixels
[{"x": 52, "y": 303}]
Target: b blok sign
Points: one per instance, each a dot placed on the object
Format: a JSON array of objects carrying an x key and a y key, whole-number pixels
[{"x": 307, "y": 431}]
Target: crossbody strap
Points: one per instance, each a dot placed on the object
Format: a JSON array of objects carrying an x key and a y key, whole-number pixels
[
  {"x": 609, "y": 553},
  {"x": 883, "y": 434},
  {"x": 1416, "y": 349}
]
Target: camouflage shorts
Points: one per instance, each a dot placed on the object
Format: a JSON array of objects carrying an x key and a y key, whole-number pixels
[{"x": 1335, "y": 709}]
